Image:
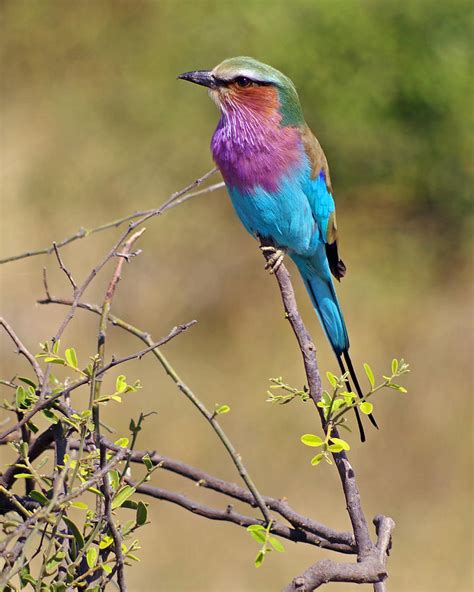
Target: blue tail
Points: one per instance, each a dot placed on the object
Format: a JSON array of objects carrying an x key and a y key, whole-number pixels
[
  {"x": 318, "y": 282},
  {"x": 317, "y": 278}
]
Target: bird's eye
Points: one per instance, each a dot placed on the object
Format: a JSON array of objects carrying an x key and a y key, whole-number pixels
[{"x": 243, "y": 81}]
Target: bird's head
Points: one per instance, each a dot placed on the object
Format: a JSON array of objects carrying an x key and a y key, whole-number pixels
[{"x": 244, "y": 84}]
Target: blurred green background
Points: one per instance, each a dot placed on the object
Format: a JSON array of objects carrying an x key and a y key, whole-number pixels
[{"x": 95, "y": 125}]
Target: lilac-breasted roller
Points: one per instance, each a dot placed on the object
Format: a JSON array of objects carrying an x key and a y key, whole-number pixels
[{"x": 277, "y": 176}]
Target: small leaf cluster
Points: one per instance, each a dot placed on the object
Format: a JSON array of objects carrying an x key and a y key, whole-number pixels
[
  {"x": 329, "y": 444},
  {"x": 281, "y": 398},
  {"x": 70, "y": 531},
  {"x": 268, "y": 542},
  {"x": 340, "y": 401}
]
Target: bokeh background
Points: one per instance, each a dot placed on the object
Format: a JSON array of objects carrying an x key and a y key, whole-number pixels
[{"x": 95, "y": 125}]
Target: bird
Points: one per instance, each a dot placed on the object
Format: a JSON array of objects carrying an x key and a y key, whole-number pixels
[{"x": 278, "y": 180}]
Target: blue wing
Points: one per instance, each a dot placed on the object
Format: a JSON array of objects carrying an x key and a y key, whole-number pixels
[{"x": 318, "y": 190}]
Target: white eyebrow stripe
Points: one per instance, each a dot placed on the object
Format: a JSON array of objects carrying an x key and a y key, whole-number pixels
[{"x": 246, "y": 72}]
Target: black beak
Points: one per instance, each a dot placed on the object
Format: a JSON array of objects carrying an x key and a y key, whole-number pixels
[{"x": 202, "y": 77}]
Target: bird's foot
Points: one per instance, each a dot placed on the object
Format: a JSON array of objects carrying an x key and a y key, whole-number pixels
[{"x": 276, "y": 259}]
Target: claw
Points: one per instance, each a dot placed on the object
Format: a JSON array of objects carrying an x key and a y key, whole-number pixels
[{"x": 276, "y": 259}]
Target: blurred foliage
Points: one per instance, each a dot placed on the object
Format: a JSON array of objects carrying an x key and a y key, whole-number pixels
[
  {"x": 95, "y": 125},
  {"x": 386, "y": 86}
]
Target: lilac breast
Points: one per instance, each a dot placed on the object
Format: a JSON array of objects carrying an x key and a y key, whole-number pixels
[{"x": 254, "y": 151}]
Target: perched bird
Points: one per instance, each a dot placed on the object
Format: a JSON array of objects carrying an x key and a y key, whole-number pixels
[{"x": 277, "y": 176}]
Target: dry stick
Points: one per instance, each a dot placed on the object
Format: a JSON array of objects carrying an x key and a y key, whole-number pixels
[
  {"x": 83, "y": 233},
  {"x": 105, "y": 488},
  {"x": 23, "y": 350},
  {"x": 344, "y": 540},
  {"x": 186, "y": 390},
  {"x": 95, "y": 394},
  {"x": 106, "y": 306},
  {"x": 227, "y": 515},
  {"x": 324, "y": 537},
  {"x": 78, "y": 292},
  {"x": 367, "y": 553}
]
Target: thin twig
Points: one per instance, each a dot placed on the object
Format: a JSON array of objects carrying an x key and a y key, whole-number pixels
[
  {"x": 82, "y": 232},
  {"x": 64, "y": 268},
  {"x": 106, "y": 306},
  {"x": 105, "y": 488},
  {"x": 44, "y": 403},
  {"x": 227, "y": 515},
  {"x": 23, "y": 350},
  {"x": 187, "y": 391}
]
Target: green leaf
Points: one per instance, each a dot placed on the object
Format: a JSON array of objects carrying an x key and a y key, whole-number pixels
[
  {"x": 338, "y": 403},
  {"x": 370, "y": 374},
  {"x": 91, "y": 557},
  {"x": 106, "y": 542},
  {"x": 39, "y": 497},
  {"x": 114, "y": 479},
  {"x": 332, "y": 379},
  {"x": 80, "y": 505},
  {"x": 23, "y": 476},
  {"x": 256, "y": 528},
  {"x": 107, "y": 568},
  {"x": 53, "y": 563},
  {"x": 130, "y": 504},
  {"x": 147, "y": 462},
  {"x": 121, "y": 384},
  {"x": 27, "y": 381},
  {"x": 71, "y": 357},
  {"x": 259, "y": 559},
  {"x": 20, "y": 397},
  {"x": 258, "y": 536},
  {"x": 326, "y": 399},
  {"x": 75, "y": 532},
  {"x": 317, "y": 459},
  {"x": 341, "y": 442},
  {"x": 311, "y": 440},
  {"x": 335, "y": 448},
  {"x": 50, "y": 360},
  {"x": 397, "y": 387},
  {"x": 31, "y": 426},
  {"x": 56, "y": 345},
  {"x": 142, "y": 513},
  {"x": 366, "y": 407},
  {"x": 275, "y": 543},
  {"x": 50, "y": 416},
  {"x": 122, "y": 495},
  {"x": 394, "y": 366},
  {"x": 122, "y": 442},
  {"x": 222, "y": 409}
]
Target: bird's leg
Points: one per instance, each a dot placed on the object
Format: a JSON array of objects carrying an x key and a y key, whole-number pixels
[{"x": 276, "y": 259}]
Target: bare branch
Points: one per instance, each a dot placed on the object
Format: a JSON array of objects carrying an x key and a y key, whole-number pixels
[
  {"x": 64, "y": 268},
  {"x": 24, "y": 351},
  {"x": 370, "y": 568},
  {"x": 227, "y": 515},
  {"x": 82, "y": 232},
  {"x": 105, "y": 488},
  {"x": 187, "y": 391}
]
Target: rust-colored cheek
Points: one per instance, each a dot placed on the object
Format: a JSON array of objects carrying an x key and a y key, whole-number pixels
[{"x": 263, "y": 99}]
